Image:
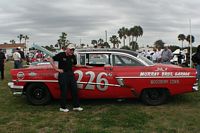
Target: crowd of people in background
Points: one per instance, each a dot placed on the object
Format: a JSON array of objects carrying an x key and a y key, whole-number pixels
[{"x": 158, "y": 55}]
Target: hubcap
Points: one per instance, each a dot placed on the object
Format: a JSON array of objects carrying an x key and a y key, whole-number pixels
[{"x": 38, "y": 93}]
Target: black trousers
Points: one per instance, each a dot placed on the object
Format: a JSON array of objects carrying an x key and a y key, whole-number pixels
[
  {"x": 67, "y": 80},
  {"x": 2, "y": 71}
]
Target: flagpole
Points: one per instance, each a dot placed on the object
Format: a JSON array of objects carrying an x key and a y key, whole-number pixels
[{"x": 190, "y": 45}]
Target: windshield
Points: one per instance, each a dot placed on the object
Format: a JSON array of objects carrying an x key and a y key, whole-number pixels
[{"x": 147, "y": 61}]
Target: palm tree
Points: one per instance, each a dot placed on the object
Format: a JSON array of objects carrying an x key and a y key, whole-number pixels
[
  {"x": 59, "y": 42},
  {"x": 25, "y": 38},
  {"x": 82, "y": 45},
  {"x": 188, "y": 38},
  {"x": 100, "y": 42},
  {"x": 122, "y": 34},
  {"x": 134, "y": 46},
  {"x": 94, "y": 42},
  {"x": 181, "y": 37},
  {"x": 115, "y": 41},
  {"x": 20, "y": 37},
  {"x": 136, "y": 31},
  {"x": 128, "y": 33},
  {"x": 62, "y": 42},
  {"x": 12, "y": 41},
  {"x": 139, "y": 32},
  {"x": 159, "y": 44},
  {"x": 106, "y": 45}
]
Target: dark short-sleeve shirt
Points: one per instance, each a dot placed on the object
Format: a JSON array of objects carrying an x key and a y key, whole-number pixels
[
  {"x": 22, "y": 54},
  {"x": 2, "y": 57},
  {"x": 65, "y": 62}
]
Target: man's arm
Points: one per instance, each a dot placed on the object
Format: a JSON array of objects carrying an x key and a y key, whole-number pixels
[{"x": 54, "y": 66}]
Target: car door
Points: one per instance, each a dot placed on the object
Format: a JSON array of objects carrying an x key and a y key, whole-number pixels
[
  {"x": 127, "y": 70},
  {"x": 99, "y": 81}
]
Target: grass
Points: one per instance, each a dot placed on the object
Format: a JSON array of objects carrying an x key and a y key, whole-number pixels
[{"x": 179, "y": 115}]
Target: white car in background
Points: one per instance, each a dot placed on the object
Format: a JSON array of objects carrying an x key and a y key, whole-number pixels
[{"x": 176, "y": 53}]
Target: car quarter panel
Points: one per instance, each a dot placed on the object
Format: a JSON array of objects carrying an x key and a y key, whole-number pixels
[{"x": 177, "y": 80}]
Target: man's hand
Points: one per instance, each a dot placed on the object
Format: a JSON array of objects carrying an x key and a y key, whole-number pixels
[{"x": 59, "y": 70}]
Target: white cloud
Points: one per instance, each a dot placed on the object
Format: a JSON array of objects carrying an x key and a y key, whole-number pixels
[{"x": 44, "y": 20}]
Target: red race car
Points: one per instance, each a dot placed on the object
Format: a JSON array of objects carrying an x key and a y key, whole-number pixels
[{"x": 114, "y": 73}]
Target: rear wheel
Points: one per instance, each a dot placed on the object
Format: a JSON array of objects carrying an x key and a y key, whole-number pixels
[
  {"x": 154, "y": 96},
  {"x": 38, "y": 94}
]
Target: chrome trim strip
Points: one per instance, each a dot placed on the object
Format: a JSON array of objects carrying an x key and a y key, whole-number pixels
[
  {"x": 56, "y": 81},
  {"x": 35, "y": 80},
  {"x": 98, "y": 84}
]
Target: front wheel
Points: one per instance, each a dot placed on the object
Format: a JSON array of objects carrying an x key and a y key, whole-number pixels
[
  {"x": 154, "y": 96},
  {"x": 38, "y": 94}
]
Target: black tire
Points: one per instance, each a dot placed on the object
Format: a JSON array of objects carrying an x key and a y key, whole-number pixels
[
  {"x": 154, "y": 97},
  {"x": 38, "y": 94}
]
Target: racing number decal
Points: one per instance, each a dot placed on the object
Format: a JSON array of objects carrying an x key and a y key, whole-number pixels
[
  {"x": 80, "y": 76},
  {"x": 90, "y": 84},
  {"x": 92, "y": 76},
  {"x": 100, "y": 79}
]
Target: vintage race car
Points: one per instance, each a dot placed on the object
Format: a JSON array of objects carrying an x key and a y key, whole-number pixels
[{"x": 115, "y": 73}]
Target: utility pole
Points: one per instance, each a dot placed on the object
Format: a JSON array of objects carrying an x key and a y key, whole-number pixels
[
  {"x": 105, "y": 35},
  {"x": 190, "y": 44}
]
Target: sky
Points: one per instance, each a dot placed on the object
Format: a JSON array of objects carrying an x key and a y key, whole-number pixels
[{"x": 85, "y": 20}]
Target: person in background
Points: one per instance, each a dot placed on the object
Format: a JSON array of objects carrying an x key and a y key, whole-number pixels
[
  {"x": 196, "y": 61},
  {"x": 154, "y": 55},
  {"x": 166, "y": 55},
  {"x": 158, "y": 54},
  {"x": 39, "y": 56},
  {"x": 17, "y": 59},
  {"x": 22, "y": 55},
  {"x": 180, "y": 57},
  {"x": 27, "y": 59},
  {"x": 2, "y": 62}
]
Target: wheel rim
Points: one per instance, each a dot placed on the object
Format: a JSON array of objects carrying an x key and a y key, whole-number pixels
[
  {"x": 38, "y": 93},
  {"x": 154, "y": 95}
]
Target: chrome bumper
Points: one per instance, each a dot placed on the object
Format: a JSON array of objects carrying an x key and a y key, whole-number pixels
[
  {"x": 16, "y": 90},
  {"x": 195, "y": 87}
]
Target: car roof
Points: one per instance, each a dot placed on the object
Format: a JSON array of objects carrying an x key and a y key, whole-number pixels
[{"x": 108, "y": 50}]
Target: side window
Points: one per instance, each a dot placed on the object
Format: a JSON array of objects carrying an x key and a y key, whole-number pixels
[
  {"x": 96, "y": 59},
  {"x": 121, "y": 60},
  {"x": 82, "y": 59}
]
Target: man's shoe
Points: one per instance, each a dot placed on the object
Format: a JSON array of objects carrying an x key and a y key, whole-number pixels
[
  {"x": 78, "y": 109},
  {"x": 64, "y": 110}
]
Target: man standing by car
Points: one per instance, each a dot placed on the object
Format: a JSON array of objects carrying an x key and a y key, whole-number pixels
[
  {"x": 2, "y": 62},
  {"x": 66, "y": 60},
  {"x": 166, "y": 55}
]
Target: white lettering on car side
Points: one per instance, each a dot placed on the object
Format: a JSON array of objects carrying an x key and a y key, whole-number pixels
[
  {"x": 101, "y": 82},
  {"x": 147, "y": 74},
  {"x": 164, "y": 74}
]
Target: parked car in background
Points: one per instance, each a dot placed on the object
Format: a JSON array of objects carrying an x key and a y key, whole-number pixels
[
  {"x": 115, "y": 74},
  {"x": 179, "y": 58}
]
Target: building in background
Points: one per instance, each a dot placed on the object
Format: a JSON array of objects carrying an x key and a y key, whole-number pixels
[{"x": 8, "y": 48}]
